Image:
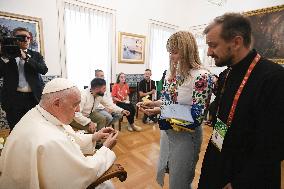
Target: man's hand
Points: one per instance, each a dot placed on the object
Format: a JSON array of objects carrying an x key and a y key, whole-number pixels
[
  {"x": 228, "y": 186},
  {"x": 111, "y": 140},
  {"x": 125, "y": 112},
  {"x": 102, "y": 134},
  {"x": 92, "y": 127},
  {"x": 23, "y": 54}
]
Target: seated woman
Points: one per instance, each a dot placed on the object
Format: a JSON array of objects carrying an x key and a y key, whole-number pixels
[{"x": 120, "y": 95}]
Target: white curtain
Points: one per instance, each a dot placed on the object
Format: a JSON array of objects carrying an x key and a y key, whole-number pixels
[
  {"x": 202, "y": 49},
  {"x": 88, "y": 43},
  {"x": 158, "y": 55}
]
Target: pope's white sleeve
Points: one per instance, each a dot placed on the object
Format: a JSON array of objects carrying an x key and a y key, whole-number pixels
[
  {"x": 63, "y": 165},
  {"x": 85, "y": 141}
]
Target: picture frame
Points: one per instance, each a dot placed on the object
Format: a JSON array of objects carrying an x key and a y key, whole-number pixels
[
  {"x": 267, "y": 32},
  {"x": 10, "y": 21},
  {"x": 131, "y": 48}
]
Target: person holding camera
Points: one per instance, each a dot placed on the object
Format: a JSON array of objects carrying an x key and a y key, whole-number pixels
[{"x": 21, "y": 70}]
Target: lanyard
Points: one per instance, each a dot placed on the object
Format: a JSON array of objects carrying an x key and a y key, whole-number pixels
[{"x": 240, "y": 90}]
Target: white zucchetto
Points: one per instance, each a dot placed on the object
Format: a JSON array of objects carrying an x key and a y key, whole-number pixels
[{"x": 57, "y": 84}]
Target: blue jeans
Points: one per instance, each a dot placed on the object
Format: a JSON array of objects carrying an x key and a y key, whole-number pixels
[{"x": 110, "y": 118}]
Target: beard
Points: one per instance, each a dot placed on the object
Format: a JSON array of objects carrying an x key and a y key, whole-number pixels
[
  {"x": 101, "y": 94},
  {"x": 226, "y": 60}
]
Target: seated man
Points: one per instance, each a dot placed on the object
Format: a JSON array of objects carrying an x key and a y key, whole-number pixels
[
  {"x": 90, "y": 99},
  {"x": 111, "y": 116},
  {"x": 43, "y": 151},
  {"x": 147, "y": 89}
]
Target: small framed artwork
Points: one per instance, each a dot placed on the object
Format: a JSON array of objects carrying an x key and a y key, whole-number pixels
[
  {"x": 10, "y": 21},
  {"x": 268, "y": 31},
  {"x": 131, "y": 48}
]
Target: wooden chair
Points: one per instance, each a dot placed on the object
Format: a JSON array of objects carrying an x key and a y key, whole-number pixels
[{"x": 116, "y": 170}]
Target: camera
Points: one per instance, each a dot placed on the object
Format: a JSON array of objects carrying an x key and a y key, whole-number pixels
[{"x": 9, "y": 46}]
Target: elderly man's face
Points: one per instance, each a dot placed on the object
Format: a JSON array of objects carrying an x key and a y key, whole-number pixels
[
  {"x": 218, "y": 48},
  {"x": 68, "y": 106}
]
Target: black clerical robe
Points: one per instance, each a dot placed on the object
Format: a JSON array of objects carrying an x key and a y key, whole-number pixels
[{"x": 253, "y": 146}]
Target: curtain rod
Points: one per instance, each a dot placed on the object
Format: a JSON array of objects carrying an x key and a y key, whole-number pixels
[
  {"x": 89, "y": 4},
  {"x": 164, "y": 23}
]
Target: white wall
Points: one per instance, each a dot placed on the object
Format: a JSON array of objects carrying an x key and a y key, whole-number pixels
[{"x": 131, "y": 16}]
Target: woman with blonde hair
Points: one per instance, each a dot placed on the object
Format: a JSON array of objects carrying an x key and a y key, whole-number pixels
[{"x": 187, "y": 90}]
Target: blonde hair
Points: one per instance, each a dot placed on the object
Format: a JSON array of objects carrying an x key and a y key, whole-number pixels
[{"x": 185, "y": 44}]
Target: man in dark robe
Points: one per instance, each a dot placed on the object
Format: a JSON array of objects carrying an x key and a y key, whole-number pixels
[{"x": 252, "y": 149}]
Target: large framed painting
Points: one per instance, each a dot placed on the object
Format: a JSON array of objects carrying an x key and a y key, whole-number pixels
[
  {"x": 268, "y": 32},
  {"x": 10, "y": 21},
  {"x": 131, "y": 48}
]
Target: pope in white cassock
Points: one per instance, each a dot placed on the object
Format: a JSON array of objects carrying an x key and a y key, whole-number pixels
[{"x": 43, "y": 151}]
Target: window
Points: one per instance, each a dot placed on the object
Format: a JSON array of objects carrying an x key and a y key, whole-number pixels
[
  {"x": 200, "y": 38},
  {"x": 88, "y": 34},
  {"x": 158, "y": 55},
  {"x": 206, "y": 61}
]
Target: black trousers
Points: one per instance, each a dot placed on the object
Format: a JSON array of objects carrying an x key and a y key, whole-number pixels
[
  {"x": 19, "y": 106},
  {"x": 130, "y": 108}
]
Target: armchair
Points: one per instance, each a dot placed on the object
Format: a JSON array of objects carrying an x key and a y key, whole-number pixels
[{"x": 116, "y": 170}]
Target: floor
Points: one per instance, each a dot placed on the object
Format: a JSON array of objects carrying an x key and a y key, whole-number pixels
[{"x": 138, "y": 153}]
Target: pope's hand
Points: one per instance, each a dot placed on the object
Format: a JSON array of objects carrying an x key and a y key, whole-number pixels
[
  {"x": 103, "y": 133},
  {"x": 111, "y": 140},
  {"x": 92, "y": 127}
]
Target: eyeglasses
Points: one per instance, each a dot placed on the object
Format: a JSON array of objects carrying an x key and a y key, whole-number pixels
[{"x": 23, "y": 37}]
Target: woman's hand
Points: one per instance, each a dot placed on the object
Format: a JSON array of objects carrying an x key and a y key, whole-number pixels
[
  {"x": 146, "y": 104},
  {"x": 151, "y": 111}
]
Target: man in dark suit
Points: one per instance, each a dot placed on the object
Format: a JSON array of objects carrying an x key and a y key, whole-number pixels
[{"x": 22, "y": 81}]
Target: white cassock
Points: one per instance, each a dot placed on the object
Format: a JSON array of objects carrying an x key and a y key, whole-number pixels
[{"x": 43, "y": 153}]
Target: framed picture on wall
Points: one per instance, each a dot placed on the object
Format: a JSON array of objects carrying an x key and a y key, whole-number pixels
[
  {"x": 10, "y": 21},
  {"x": 268, "y": 31},
  {"x": 131, "y": 48}
]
